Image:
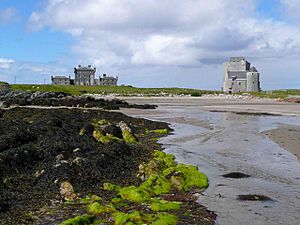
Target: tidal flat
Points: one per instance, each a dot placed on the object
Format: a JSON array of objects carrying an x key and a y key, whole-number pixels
[{"x": 254, "y": 178}]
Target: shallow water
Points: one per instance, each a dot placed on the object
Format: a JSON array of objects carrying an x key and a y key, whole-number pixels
[{"x": 220, "y": 143}]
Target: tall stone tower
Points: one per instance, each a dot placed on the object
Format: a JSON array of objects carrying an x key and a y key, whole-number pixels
[{"x": 239, "y": 76}]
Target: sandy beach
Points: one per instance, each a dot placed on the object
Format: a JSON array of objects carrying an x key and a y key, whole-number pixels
[{"x": 286, "y": 136}]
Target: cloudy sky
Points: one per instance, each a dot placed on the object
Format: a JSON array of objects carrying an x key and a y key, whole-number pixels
[{"x": 150, "y": 43}]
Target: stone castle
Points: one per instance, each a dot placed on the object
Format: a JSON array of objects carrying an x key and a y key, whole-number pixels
[
  {"x": 239, "y": 76},
  {"x": 85, "y": 75}
]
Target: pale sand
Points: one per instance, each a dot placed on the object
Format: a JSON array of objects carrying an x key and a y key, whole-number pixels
[
  {"x": 287, "y": 137},
  {"x": 255, "y": 105}
]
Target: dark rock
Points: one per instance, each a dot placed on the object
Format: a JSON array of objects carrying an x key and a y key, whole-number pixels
[
  {"x": 113, "y": 130},
  {"x": 254, "y": 198},
  {"x": 37, "y": 155},
  {"x": 236, "y": 175},
  {"x": 38, "y": 98}
]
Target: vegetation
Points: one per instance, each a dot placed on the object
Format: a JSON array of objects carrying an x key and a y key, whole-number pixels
[
  {"x": 144, "y": 204},
  {"x": 128, "y": 137},
  {"x": 277, "y": 93},
  {"x": 120, "y": 90}
]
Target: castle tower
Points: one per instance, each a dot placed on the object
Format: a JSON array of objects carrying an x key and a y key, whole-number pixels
[
  {"x": 239, "y": 77},
  {"x": 85, "y": 75},
  {"x": 253, "y": 84}
]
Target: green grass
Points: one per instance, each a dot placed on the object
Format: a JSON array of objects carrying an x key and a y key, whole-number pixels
[
  {"x": 277, "y": 93},
  {"x": 121, "y": 90}
]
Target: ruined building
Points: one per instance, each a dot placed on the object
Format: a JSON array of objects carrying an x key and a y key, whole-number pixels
[
  {"x": 85, "y": 75},
  {"x": 239, "y": 76}
]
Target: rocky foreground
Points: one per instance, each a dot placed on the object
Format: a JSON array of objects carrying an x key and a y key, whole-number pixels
[{"x": 87, "y": 166}]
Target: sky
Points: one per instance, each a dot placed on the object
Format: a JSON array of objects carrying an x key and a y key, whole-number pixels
[{"x": 150, "y": 43}]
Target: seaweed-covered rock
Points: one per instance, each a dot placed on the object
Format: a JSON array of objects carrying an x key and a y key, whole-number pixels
[
  {"x": 38, "y": 98},
  {"x": 41, "y": 148}
]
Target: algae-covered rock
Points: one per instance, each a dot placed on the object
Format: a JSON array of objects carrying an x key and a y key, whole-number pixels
[
  {"x": 90, "y": 199},
  {"x": 165, "y": 219},
  {"x": 135, "y": 194},
  {"x": 111, "y": 187},
  {"x": 100, "y": 122},
  {"x": 104, "y": 139},
  {"x": 79, "y": 220},
  {"x": 128, "y": 137},
  {"x": 192, "y": 177},
  {"x": 162, "y": 205},
  {"x": 161, "y": 131},
  {"x": 97, "y": 209}
]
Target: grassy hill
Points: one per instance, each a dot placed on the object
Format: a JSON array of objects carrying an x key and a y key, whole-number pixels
[{"x": 121, "y": 90}]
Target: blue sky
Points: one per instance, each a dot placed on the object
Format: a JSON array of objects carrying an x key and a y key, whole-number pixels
[{"x": 152, "y": 43}]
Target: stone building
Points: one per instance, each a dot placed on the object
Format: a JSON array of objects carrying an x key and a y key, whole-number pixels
[
  {"x": 61, "y": 80},
  {"x": 239, "y": 76},
  {"x": 108, "y": 80},
  {"x": 85, "y": 75}
]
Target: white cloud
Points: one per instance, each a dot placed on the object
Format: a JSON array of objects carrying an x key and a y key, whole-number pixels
[
  {"x": 6, "y": 63},
  {"x": 8, "y": 15},
  {"x": 30, "y": 72},
  {"x": 192, "y": 33}
]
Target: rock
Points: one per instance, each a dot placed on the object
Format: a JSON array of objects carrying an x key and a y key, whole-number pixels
[
  {"x": 39, "y": 173},
  {"x": 236, "y": 175},
  {"x": 77, "y": 161},
  {"x": 254, "y": 198},
  {"x": 76, "y": 150},
  {"x": 124, "y": 126},
  {"x": 59, "y": 157},
  {"x": 113, "y": 130},
  {"x": 67, "y": 191}
]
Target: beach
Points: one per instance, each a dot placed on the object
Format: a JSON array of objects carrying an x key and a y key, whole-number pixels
[{"x": 256, "y": 139}]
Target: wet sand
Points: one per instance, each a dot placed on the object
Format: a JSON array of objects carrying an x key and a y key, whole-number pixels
[
  {"x": 287, "y": 137},
  {"x": 210, "y": 134}
]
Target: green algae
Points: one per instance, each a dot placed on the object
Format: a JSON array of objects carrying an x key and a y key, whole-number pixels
[
  {"x": 157, "y": 185},
  {"x": 79, "y": 220},
  {"x": 161, "y": 131},
  {"x": 97, "y": 209},
  {"x": 161, "y": 176},
  {"x": 90, "y": 199},
  {"x": 128, "y": 137},
  {"x": 163, "y": 205},
  {"x": 192, "y": 177},
  {"x": 111, "y": 187},
  {"x": 165, "y": 219},
  {"x": 134, "y": 194},
  {"x": 98, "y": 123},
  {"x": 104, "y": 139}
]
